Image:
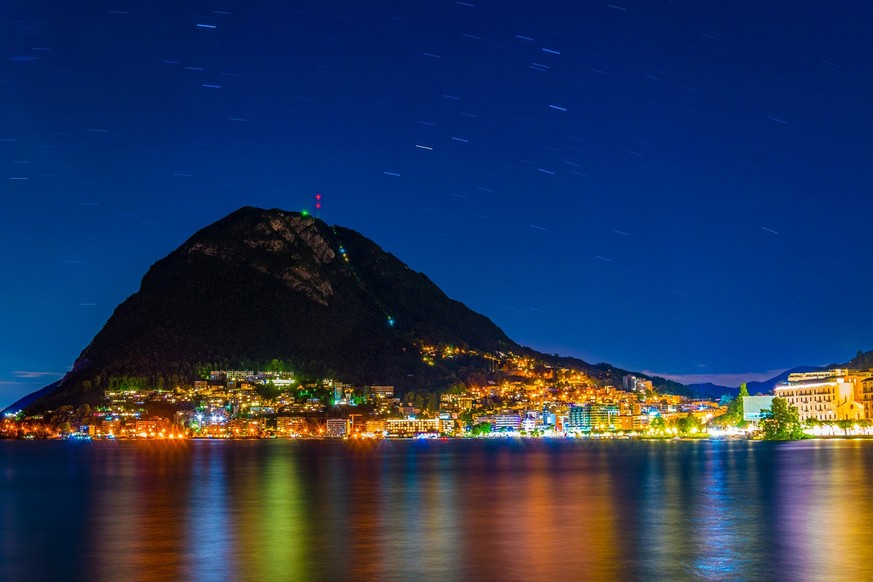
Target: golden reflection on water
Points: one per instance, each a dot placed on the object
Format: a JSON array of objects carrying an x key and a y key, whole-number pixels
[
  {"x": 825, "y": 522},
  {"x": 130, "y": 496},
  {"x": 451, "y": 510}
]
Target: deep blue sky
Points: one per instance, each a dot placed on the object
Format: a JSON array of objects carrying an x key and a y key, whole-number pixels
[{"x": 680, "y": 187}]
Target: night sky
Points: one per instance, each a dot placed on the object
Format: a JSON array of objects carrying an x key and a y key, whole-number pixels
[{"x": 676, "y": 187}]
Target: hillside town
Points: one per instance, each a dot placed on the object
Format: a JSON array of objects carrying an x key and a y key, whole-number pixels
[{"x": 528, "y": 399}]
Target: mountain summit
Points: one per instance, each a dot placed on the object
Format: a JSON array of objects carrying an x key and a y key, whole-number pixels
[
  {"x": 260, "y": 285},
  {"x": 268, "y": 284}
]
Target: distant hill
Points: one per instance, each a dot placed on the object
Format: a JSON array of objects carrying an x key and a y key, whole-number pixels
[
  {"x": 766, "y": 386},
  {"x": 260, "y": 285},
  {"x": 712, "y": 391},
  {"x": 29, "y": 399}
]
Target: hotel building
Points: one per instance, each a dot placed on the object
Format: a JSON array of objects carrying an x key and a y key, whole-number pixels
[{"x": 826, "y": 396}]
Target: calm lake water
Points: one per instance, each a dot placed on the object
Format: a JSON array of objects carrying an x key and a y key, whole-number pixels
[{"x": 436, "y": 510}]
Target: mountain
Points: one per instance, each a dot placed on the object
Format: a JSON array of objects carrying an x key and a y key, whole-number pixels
[
  {"x": 260, "y": 285},
  {"x": 26, "y": 401},
  {"x": 710, "y": 390},
  {"x": 766, "y": 386},
  {"x": 861, "y": 361}
]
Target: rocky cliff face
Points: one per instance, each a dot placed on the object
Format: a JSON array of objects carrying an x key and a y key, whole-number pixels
[
  {"x": 277, "y": 237},
  {"x": 263, "y": 284}
]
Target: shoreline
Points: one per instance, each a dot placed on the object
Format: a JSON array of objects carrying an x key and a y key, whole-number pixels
[{"x": 595, "y": 438}]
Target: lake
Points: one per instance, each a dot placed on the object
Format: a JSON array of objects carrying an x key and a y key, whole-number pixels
[{"x": 436, "y": 510}]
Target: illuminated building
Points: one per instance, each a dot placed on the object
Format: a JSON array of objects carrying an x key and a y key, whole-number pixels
[
  {"x": 410, "y": 427},
  {"x": 549, "y": 418},
  {"x": 592, "y": 417},
  {"x": 825, "y": 396},
  {"x": 383, "y": 391},
  {"x": 291, "y": 424},
  {"x": 337, "y": 427},
  {"x": 866, "y": 395},
  {"x": 458, "y": 402},
  {"x": 146, "y": 426},
  {"x": 797, "y": 377},
  {"x": 375, "y": 426},
  {"x": 631, "y": 383},
  {"x": 110, "y": 426},
  {"x": 510, "y": 421},
  {"x": 244, "y": 428}
]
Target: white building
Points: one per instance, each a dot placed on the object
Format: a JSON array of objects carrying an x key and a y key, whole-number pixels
[
  {"x": 337, "y": 427},
  {"x": 754, "y": 407}
]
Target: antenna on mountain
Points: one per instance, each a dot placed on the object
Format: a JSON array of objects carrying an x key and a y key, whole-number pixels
[{"x": 317, "y": 206}]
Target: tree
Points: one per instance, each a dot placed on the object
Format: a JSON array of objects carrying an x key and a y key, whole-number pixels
[
  {"x": 688, "y": 424},
  {"x": 480, "y": 429},
  {"x": 734, "y": 414},
  {"x": 782, "y": 422},
  {"x": 743, "y": 392},
  {"x": 433, "y": 402},
  {"x": 736, "y": 407},
  {"x": 276, "y": 365},
  {"x": 846, "y": 424},
  {"x": 83, "y": 415}
]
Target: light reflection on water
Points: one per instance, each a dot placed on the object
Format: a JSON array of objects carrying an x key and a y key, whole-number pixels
[{"x": 456, "y": 510}]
